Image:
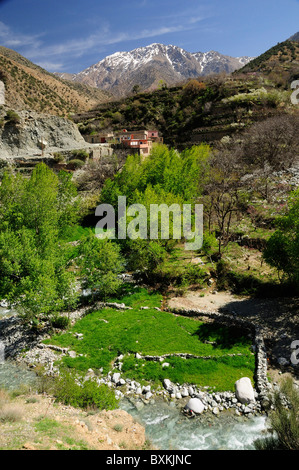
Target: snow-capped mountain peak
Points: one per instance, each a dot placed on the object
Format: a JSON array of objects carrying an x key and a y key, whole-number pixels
[{"x": 144, "y": 66}]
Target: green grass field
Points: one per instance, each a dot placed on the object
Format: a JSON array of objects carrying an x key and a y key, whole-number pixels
[{"x": 109, "y": 332}]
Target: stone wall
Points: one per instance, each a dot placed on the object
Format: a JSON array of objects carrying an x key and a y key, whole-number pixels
[{"x": 261, "y": 379}]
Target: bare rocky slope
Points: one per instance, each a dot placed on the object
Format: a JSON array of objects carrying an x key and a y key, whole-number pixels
[{"x": 26, "y": 134}]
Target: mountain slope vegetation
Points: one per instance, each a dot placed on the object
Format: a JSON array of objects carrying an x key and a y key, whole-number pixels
[
  {"x": 280, "y": 62},
  {"x": 28, "y": 86},
  {"x": 202, "y": 110}
]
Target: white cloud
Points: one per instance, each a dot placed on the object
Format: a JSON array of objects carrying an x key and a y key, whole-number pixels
[
  {"x": 53, "y": 56},
  {"x": 10, "y": 38}
]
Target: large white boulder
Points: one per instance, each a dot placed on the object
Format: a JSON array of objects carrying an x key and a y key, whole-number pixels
[
  {"x": 195, "y": 405},
  {"x": 244, "y": 390}
]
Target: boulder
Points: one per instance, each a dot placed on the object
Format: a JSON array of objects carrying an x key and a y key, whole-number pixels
[
  {"x": 116, "y": 377},
  {"x": 195, "y": 405},
  {"x": 168, "y": 385},
  {"x": 244, "y": 390}
]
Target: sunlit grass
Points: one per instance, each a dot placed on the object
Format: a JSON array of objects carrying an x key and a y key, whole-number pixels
[{"x": 109, "y": 332}]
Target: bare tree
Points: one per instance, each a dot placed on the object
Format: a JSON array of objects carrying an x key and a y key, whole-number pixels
[
  {"x": 222, "y": 201},
  {"x": 271, "y": 145}
]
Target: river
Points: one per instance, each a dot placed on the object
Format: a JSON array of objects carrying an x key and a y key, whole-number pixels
[
  {"x": 165, "y": 425},
  {"x": 168, "y": 429}
]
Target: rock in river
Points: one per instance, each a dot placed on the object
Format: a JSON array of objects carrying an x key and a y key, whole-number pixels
[{"x": 195, "y": 405}]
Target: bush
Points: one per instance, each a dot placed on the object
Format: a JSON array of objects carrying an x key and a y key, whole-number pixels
[
  {"x": 88, "y": 395},
  {"x": 80, "y": 155},
  {"x": 284, "y": 421},
  {"x": 282, "y": 250},
  {"x": 12, "y": 117},
  {"x": 58, "y": 157},
  {"x": 60, "y": 322},
  {"x": 194, "y": 274},
  {"x": 10, "y": 413},
  {"x": 75, "y": 164}
]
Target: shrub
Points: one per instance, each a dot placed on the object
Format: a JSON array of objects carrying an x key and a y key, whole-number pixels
[
  {"x": 282, "y": 250},
  {"x": 10, "y": 413},
  {"x": 88, "y": 395},
  {"x": 12, "y": 117},
  {"x": 75, "y": 164},
  {"x": 194, "y": 274},
  {"x": 58, "y": 157},
  {"x": 118, "y": 427},
  {"x": 284, "y": 421},
  {"x": 60, "y": 322},
  {"x": 80, "y": 154}
]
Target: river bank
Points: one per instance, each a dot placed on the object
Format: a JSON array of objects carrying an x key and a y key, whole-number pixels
[{"x": 160, "y": 411}]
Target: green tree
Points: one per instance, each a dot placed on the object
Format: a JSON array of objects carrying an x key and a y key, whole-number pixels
[
  {"x": 34, "y": 270},
  {"x": 282, "y": 250},
  {"x": 100, "y": 263}
]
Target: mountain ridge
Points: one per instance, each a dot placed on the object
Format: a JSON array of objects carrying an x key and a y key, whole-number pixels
[
  {"x": 29, "y": 86},
  {"x": 149, "y": 65}
]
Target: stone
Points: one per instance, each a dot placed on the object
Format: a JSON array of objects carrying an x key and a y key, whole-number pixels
[
  {"x": 118, "y": 394},
  {"x": 115, "y": 377},
  {"x": 165, "y": 364},
  {"x": 168, "y": 385},
  {"x": 195, "y": 405},
  {"x": 244, "y": 390}
]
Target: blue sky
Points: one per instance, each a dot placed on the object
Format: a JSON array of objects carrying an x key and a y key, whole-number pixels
[{"x": 70, "y": 35}]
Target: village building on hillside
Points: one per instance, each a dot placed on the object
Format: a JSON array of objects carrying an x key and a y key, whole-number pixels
[{"x": 140, "y": 141}]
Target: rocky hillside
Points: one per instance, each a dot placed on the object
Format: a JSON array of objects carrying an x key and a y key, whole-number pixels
[
  {"x": 28, "y": 86},
  {"x": 295, "y": 37},
  {"x": 149, "y": 66},
  {"x": 201, "y": 110},
  {"x": 26, "y": 134}
]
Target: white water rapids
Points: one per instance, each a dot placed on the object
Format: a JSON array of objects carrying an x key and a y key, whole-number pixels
[{"x": 168, "y": 429}]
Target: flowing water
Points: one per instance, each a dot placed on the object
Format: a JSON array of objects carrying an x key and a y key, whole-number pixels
[
  {"x": 13, "y": 376},
  {"x": 168, "y": 429},
  {"x": 165, "y": 425},
  {"x": 5, "y": 312}
]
